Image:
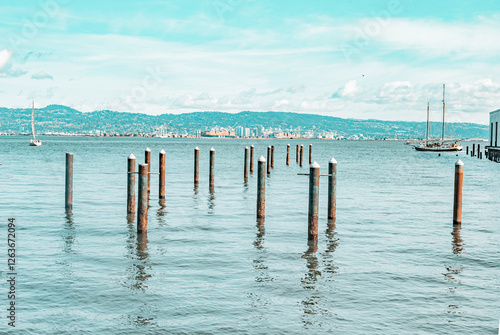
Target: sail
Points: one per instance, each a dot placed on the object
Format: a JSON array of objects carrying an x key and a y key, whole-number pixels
[{"x": 33, "y": 121}]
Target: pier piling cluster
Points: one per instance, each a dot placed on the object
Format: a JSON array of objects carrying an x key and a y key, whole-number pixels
[{"x": 264, "y": 165}]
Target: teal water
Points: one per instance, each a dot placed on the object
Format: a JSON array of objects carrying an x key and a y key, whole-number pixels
[{"x": 391, "y": 264}]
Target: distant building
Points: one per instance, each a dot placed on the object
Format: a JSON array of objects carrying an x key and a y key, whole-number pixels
[
  {"x": 493, "y": 149},
  {"x": 218, "y": 133},
  {"x": 239, "y": 131},
  {"x": 247, "y": 132}
]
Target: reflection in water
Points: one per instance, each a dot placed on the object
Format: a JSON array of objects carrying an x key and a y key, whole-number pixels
[
  {"x": 332, "y": 244},
  {"x": 457, "y": 242},
  {"x": 259, "y": 263},
  {"x": 262, "y": 277},
  {"x": 312, "y": 303},
  {"x": 161, "y": 213},
  {"x": 211, "y": 202},
  {"x": 138, "y": 252},
  {"x": 68, "y": 233},
  {"x": 454, "y": 271}
]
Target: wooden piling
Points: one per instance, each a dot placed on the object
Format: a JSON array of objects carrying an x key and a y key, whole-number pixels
[
  {"x": 297, "y": 154},
  {"x": 162, "y": 174},
  {"x": 68, "y": 194},
  {"x": 478, "y": 150},
  {"x": 251, "y": 158},
  {"x": 147, "y": 159},
  {"x": 332, "y": 184},
  {"x": 301, "y": 154},
  {"x": 473, "y": 149},
  {"x": 245, "y": 172},
  {"x": 268, "y": 160},
  {"x": 310, "y": 153},
  {"x": 457, "y": 200},
  {"x": 288, "y": 154},
  {"x": 196, "y": 166},
  {"x": 467, "y": 150},
  {"x": 312, "y": 230},
  {"x": 261, "y": 188},
  {"x": 131, "y": 184},
  {"x": 272, "y": 156},
  {"x": 142, "y": 205},
  {"x": 212, "y": 172}
]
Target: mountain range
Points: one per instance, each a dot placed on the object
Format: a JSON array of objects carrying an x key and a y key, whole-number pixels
[{"x": 63, "y": 119}]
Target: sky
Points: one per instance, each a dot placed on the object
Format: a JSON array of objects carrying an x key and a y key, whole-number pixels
[{"x": 352, "y": 59}]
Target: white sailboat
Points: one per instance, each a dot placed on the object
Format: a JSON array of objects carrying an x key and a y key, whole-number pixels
[
  {"x": 438, "y": 145},
  {"x": 34, "y": 142}
]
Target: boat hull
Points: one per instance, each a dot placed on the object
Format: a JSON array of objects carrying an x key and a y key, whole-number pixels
[{"x": 438, "y": 149}]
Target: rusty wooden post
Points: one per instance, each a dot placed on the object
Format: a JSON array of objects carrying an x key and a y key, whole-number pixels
[
  {"x": 162, "y": 175},
  {"x": 272, "y": 156},
  {"x": 301, "y": 154},
  {"x": 312, "y": 230},
  {"x": 261, "y": 188},
  {"x": 332, "y": 183},
  {"x": 245, "y": 170},
  {"x": 288, "y": 154},
  {"x": 251, "y": 158},
  {"x": 269, "y": 160},
  {"x": 457, "y": 200},
  {"x": 142, "y": 205},
  {"x": 211, "y": 172},
  {"x": 310, "y": 153},
  {"x": 68, "y": 194},
  {"x": 131, "y": 185},
  {"x": 147, "y": 155},
  {"x": 297, "y": 154},
  {"x": 196, "y": 166}
]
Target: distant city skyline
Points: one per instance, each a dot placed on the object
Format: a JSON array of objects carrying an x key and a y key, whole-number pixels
[{"x": 350, "y": 59}]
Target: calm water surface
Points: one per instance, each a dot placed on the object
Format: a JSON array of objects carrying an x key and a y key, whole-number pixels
[{"x": 391, "y": 264}]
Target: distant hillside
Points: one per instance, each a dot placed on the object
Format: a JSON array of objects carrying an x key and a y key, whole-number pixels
[{"x": 55, "y": 118}]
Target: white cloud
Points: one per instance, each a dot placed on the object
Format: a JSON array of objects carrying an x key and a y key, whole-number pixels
[
  {"x": 5, "y": 56},
  {"x": 41, "y": 75},
  {"x": 349, "y": 90}
]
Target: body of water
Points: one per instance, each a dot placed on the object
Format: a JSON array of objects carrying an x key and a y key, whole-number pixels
[{"x": 391, "y": 264}]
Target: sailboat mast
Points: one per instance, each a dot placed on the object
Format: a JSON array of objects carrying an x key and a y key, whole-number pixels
[
  {"x": 427, "y": 131},
  {"x": 443, "y": 112},
  {"x": 33, "y": 120}
]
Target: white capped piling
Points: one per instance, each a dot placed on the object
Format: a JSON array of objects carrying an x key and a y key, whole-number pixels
[
  {"x": 211, "y": 172},
  {"x": 312, "y": 230},
  {"x": 147, "y": 159},
  {"x": 272, "y": 156},
  {"x": 301, "y": 154},
  {"x": 457, "y": 199},
  {"x": 68, "y": 194},
  {"x": 131, "y": 184},
  {"x": 288, "y": 154},
  {"x": 297, "y": 154},
  {"x": 269, "y": 160},
  {"x": 261, "y": 188},
  {"x": 245, "y": 170},
  {"x": 251, "y": 158},
  {"x": 310, "y": 153},
  {"x": 332, "y": 184},
  {"x": 142, "y": 205},
  {"x": 196, "y": 166},
  {"x": 162, "y": 174}
]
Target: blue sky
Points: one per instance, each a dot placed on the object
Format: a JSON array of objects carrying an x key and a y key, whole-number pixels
[{"x": 356, "y": 59}]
